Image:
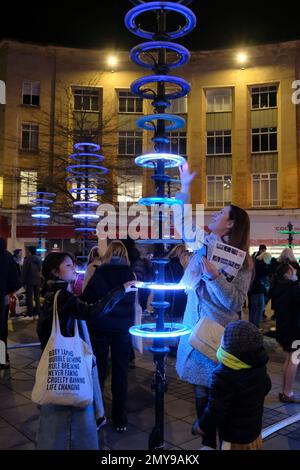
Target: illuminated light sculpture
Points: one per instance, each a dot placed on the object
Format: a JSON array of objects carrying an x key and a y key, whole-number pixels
[
  {"x": 160, "y": 88},
  {"x": 85, "y": 177},
  {"x": 290, "y": 232},
  {"x": 41, "y": 214}
]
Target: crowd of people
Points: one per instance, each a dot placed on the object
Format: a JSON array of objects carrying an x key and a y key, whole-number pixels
[{"x": 229, "y": 392}]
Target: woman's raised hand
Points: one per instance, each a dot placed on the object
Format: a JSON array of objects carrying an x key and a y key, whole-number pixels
[
  {"x": 130, "y": 286},
  {"x": 186, "y": 177}
]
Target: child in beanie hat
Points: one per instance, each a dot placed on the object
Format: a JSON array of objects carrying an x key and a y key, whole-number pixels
[{"x": 239, "y": 385}]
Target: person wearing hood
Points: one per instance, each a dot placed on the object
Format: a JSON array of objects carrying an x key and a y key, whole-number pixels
[
  {"x": 285, "y": 296},
  {"x": 31, "y": 281},
  {"x": 111, "y": 333},
  {"x": 238, "y": 388}
]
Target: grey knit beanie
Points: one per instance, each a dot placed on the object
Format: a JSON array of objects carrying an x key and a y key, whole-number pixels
[{"x": 241, "y": 337}]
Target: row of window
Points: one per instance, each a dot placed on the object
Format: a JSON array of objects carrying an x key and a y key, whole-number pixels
[
  {"x": 129, "y": 187},
  {"x": 131, "y": 142},
  {"x": 217, "y": 99}
]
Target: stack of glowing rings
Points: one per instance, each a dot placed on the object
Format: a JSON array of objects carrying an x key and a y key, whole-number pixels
[
  {"x": 86, "y": 176},
  {"x": 41, "y": 213}
]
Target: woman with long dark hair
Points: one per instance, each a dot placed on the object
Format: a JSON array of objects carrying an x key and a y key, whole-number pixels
[{"x": 209, "y": 292}]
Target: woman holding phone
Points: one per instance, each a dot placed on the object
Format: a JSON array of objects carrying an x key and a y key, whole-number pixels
[{"x": 209, "y": 292}]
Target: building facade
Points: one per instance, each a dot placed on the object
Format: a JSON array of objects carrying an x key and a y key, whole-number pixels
[{"x": 242, "y": 132}]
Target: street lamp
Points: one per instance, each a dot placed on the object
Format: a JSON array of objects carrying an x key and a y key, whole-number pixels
[
  {"x": 112, "y": 61},
  {"x": 242, "y": 58}
]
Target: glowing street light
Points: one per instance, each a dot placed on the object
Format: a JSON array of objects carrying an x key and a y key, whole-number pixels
[
  {"x": 112, "y": 61},
  {"x": 242, "y": 58}
]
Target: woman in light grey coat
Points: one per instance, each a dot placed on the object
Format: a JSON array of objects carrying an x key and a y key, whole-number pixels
[{"x": 209, "y": 292}]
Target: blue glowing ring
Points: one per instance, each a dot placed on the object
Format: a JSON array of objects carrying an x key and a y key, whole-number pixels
[
  {"x": 148, "y": 330},
  {"x": 40, "y": 216},
  {"x": 150, "y": 159},
  {"x": 80, "y": 271},
  {"x": 161, "y": 104},
  {"x": 168, "y": 179},
  {"x": 85, "y": 229},
  {"x": 73, "y": 169},
  {"x": 81, "y": 146},
  {"x": 79, "y": 157},
  {"x": 93, "y": 179},
  {"x": 86, "y": 203},
  {"x": 41, "y": 250},
  {"x": 91, "y": 191},
  {"x": 157, "y": 304},
  {"x": 150, "y": 201},
  {"x": 177, "y": 122},
  {"x": 85, "y": 215},
  {"x": 39, "y": 193},
  {"x": 185, "y": 87},
  {"x": 40, "y": 201},
  {"x": 160, "y": 260},
  {"x": 130, "y": 18},
  {"x": 161, "y": 140},
  {"x": 153, "y": 241},
  {"x": 148, "y": 46},
  {"x": 154, "y": 286},
  {"x": 40, "y": 208}
]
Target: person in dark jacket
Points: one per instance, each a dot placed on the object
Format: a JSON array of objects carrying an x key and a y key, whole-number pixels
[
  {"x": 142, "y": 268},
  {"x": 258, "y": 291},
  {"x": 9, "y": 283},
  {"x": 285, "y": 295},
  {"x": 238, "y": 388},
  {"x": 67, "y": 427},
  {"x": 17, "y": 256},
  {"x": 111, "y": 332},
  {"x": 31, "y": 280}
]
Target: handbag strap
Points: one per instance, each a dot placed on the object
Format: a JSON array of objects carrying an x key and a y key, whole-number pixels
[{"x": 55, "y": 319}]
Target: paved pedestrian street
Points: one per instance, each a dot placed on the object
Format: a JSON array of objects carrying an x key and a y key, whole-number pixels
[{"x": 19, "y": 416}]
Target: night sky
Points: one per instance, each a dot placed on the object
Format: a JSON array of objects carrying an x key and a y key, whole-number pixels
[{"x": 100, "y": 23}]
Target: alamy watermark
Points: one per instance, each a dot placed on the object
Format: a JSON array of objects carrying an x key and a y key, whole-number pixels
[
  {"x": 296, "y": 94},
  {"x": 2, "y": 92},
  {"x": 296, "y": 353},
  {"x": 157, "y": 222}
]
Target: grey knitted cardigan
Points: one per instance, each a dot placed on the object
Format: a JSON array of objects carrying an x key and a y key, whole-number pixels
[{"x": 220, "y": 300}]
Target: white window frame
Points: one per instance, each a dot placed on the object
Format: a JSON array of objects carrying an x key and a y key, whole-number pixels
[
  {"x": 177, "y": 137},
  {"x": 129, "y": 135},
  {"x": 90, "y": 92},
  {"x": 262, "y": 90},
  {"x": 81, "y": 196},
  {"x": 224, "y": 179},
  {"x": 28, "y": 183},
  {"x": 260, "y": 133},
  {"x": 33, "y": 129},
  {"x": 129, "y": 97},
  {"x": 179, "y": 106},
  {"x": 218, "y": 134},
  {"x": 216, "y": 100},
  {"x": 262, "y": 178},
  {"x": 34, "y": 88},
  {"x": 129, "y": 187}
]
